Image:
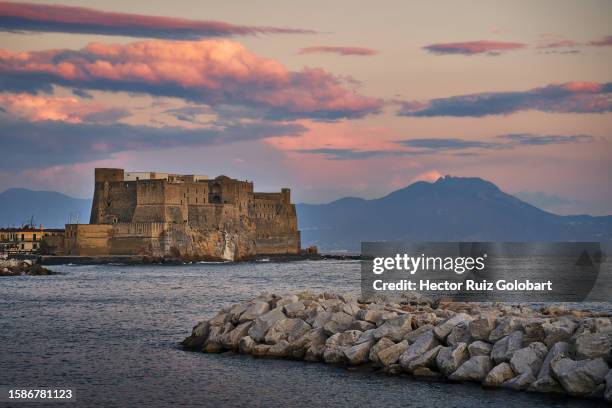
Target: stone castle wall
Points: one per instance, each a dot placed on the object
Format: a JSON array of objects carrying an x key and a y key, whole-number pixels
[
  {"x": 276, "y": 223},
  {"x": 185, "y": 216}
]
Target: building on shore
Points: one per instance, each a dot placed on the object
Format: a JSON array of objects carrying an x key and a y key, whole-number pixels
[
  {"x": 27, "y": 239},
  {"x": 185, "y": 216}
]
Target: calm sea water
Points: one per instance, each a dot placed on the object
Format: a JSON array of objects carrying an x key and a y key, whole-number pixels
[{"x": 111, "y": 333}]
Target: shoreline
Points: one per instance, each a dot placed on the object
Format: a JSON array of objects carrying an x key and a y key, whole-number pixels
[{"x": 148, "y": 260}]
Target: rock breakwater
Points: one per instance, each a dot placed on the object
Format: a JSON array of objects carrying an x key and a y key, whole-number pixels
[
  {"x": 550, "y": 350},
  {"x": 16, "y": 267}
]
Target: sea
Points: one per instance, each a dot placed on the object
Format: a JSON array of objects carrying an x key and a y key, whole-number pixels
[{"x": 111, "y": 334}]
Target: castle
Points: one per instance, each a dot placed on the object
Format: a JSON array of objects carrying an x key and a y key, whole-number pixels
[{"x": 188, "y": 216}]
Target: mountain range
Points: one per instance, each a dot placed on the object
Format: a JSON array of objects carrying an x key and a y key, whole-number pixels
[
  {"x": 20, "y": 206},
  {"x": 449, "y": 209}
]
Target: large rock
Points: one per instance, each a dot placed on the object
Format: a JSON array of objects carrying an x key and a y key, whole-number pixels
[
  {"x": 427, "y": 359},
  {"x": 529, "y": 359},
  {"x": 281, "y": 349},
  {"x": 260, "y": 350},
  {"x": 592, "y": 345},
  {"x": 313, "y": 336},
  {"x": 426, "y": 372},
  {"x": 382, "y": 344},
  {"x": 421, "y": 319},
  {"x": 294, "y": 309},
  {"x": 558, "y": 330},
  {"x": 498, "y": 375},
  {"x": 449, "y": 359},
  {"x": 286, "y": 329},
  {"x": 235, "y": 312},
  {"x": 351, "y": 308},
  {"x": 579, "y": 377},
  {"x": 534, "y": 331},
  {"x": 319, "y": 318},
  {"x": 231, "y": 339},
  {"x": 287, "y": 299},
  {"x": 254, "y": 310},
  {"x": 359, "y": 353},
  {"x": 520, "y": 382},
  {"x": 347, "y": 338},
  {"x": 220, "y": 319},
  {"x": 215, "y": 334},
  {"x": 593, "y": 325},
  {"x": 338, "y": 322},
  {"x": 422, "y": 344},
  {"x": 505, "y": 326},
  {"x": 505, "y": 347},
  {"x": 372, "y": 316},
  {"x": 246, "y": 344},
  {"x": 443, "y": 329},
  {"x": 334, "y": 355},
  {"x": 416, "y": 333},
  {"x": 363, "y": 326},
  {"x": 475, "y": 369},
  {"x": 395, "y": 329},
  {"x": 481, "y": 328},
  {"x": 390, "y": 355},
  {"x": 544, "y": 381},
  {"x": 608, "y": 391},
  {"x": 314, "y": 352},
  {"x": 334, "y": 346},
  {"x": 459, "y": 334},
  {"x": 199, "y": 334},
  {"x": 262, "y": 324},
  {"x": 367, "y": 335},
  {"x": 480, "y": 348}
]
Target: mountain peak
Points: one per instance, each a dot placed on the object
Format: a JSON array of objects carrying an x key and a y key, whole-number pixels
[{"x": 465, "y": 182}]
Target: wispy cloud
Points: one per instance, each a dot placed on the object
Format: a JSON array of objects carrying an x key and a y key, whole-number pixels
[
  {"x": 570, "y": 97},
  {"x": 452, "y": 146},
  {"x": 540, "y": 140},
  {"x": 602, "y": 42},
  {"x": 215, "y": 72},
  {"x": 16, "y": 17},
  {"x": 449, "y": 144},
  {"x": 559, "y": 43},
  {"x": 474, "y": 47},
  {"x": 344, "y": 51},
  {"x": 67, "y": 143},
  {"x": 353, "y": 154}
]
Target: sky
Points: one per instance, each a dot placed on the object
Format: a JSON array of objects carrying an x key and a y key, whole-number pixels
[{"x": 331, "y": 99}]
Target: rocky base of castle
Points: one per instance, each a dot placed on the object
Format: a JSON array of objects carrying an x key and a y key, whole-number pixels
[
  {"x": 551, "y": 350},
  {"x": 16, "y": 267}
]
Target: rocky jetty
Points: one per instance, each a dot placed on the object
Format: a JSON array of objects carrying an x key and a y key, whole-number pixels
[
  {"x": 550, "y": 350},
  {"x": 16, "y": 267}
]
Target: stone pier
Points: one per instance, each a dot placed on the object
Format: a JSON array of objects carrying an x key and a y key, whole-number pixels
[{"x": 551, "y": 350}]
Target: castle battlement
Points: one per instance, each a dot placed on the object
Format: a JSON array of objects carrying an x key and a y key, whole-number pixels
[{"x": 162, "y": 214}]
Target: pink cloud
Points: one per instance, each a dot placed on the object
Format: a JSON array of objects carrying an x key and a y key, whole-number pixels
[
  {"x": 569, "y": 97},
  {"x": 560, "y": 44},
  {"x": 67, "y": 109},
  {"x": 474, "y": 47},
  {"x": 360, "y": 51},
  {"x": 208, "y": 71},
  {"x": 429, "y": 176},
  {"x": 603, "y": 42},
  {"x": 69, "y": 19}
]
